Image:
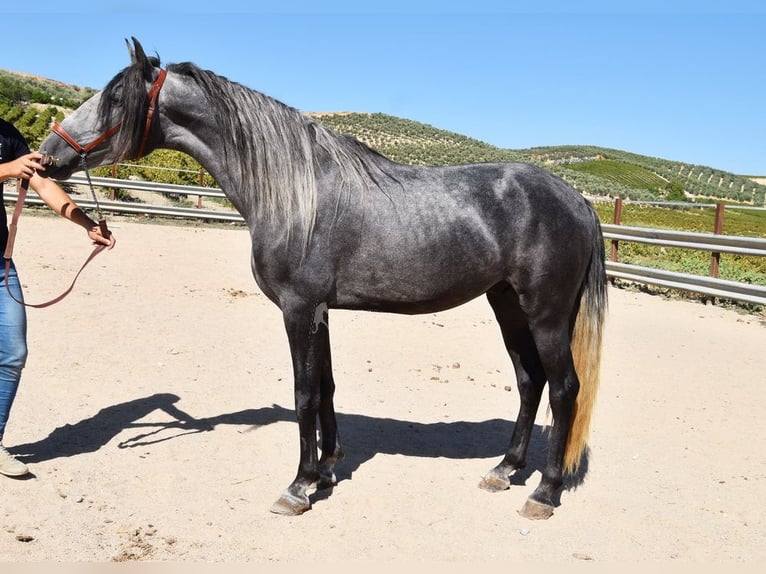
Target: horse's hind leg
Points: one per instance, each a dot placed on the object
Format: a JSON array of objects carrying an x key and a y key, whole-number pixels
[
  {"x": 553, "y": 343},
  {"x": 530, "y": 379}
]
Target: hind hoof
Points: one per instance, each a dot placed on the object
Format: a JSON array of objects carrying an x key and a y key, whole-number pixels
[
  {"x": 536, "y": 510},
  {"x": 327, "y": 481}
]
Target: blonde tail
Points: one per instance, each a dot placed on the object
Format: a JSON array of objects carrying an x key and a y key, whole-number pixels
[{"x": 586, "y": 352}]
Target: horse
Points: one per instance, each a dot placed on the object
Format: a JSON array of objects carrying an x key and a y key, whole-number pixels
[{"x": 336, "y": 225}]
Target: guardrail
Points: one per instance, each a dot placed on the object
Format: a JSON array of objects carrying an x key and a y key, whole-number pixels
[
  {"x": 137, "y": 208},
  {"x": 140, "y": 185},
  {"x": 686, "y": 239},
  {"x": 711, "y": 286},
  {"x": 714, "y": 243}
]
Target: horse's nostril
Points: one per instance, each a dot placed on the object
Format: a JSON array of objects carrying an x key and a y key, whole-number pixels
[{"x": 49, "y": 159}]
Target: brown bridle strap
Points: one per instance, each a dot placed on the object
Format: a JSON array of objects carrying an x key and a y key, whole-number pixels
[
  {"x": 153, "y": 94},
  {"x": 62, "y": 133}
]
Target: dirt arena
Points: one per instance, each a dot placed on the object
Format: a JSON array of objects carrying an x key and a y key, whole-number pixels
[{"x": 156, "y": 416}]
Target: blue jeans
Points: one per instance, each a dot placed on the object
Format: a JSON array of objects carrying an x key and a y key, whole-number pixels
[{"x": 13, "y": 342}]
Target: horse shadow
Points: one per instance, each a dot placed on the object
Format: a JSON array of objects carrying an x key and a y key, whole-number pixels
[{"x": 363, "y": 436}]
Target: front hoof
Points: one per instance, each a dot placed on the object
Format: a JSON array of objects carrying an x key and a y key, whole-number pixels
[
  {"x": 291, "y": 505},
  {"x": 494, "y": 482},
  {"x": 534, "y": 510}
]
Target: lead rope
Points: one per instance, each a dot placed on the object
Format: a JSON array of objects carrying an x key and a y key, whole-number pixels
[
  {"x": 13, "y": 226},
  {"x": 101, "y": 219}
]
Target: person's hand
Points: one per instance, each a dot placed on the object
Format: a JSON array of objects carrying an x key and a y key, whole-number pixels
[
  {"x": 25, "y": 166},
  {"x": 99, "y": 238}
]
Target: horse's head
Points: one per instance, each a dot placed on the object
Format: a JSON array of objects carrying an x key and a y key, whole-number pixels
[{"x": 115, "y": 124}]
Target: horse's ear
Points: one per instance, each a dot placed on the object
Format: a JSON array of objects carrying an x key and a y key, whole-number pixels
[
  {"x": 138, "y": 58},
  {"x": 131, "y": 53}
]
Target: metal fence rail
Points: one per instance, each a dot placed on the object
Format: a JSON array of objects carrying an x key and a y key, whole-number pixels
[
  {"x": 713, "y": 243},
  {"x": 711, "y": 286},
  {"x": 687, "y": 239},
  {"x": 139, "y": 185},
  {"x": 126, "y": 207}
]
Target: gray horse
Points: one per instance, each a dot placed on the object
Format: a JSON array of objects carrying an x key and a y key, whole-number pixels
[{"x": 335, "y": 225}]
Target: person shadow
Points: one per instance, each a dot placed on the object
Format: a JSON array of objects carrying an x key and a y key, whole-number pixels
[{"x": 362, "y": 436}]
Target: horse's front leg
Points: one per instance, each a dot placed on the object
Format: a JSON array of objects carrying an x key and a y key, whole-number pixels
[
  {"x": 332, "y": 451},
  {"x": 308, "y": 336}
]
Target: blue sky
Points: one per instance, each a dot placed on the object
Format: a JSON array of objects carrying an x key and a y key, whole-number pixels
[{"x": 682, "y": 80}]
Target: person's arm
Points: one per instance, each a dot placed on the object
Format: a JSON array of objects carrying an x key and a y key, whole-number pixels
[
  {"x": 26, "y": 167},
  {"x": 60, "y": 202}
]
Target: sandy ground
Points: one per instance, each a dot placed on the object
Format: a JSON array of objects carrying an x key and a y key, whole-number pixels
[{"x": 156, "y": 416}]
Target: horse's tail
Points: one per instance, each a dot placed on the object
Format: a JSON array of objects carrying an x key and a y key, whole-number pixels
[{"x": 586, "y": 349}]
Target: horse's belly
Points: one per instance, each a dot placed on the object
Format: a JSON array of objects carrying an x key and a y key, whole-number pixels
[{"x": 412, "y": 292}]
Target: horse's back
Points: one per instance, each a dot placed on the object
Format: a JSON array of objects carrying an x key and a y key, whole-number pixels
[
  {"x": 511, "y": 195},
  {"x": 498, "y": 212}
]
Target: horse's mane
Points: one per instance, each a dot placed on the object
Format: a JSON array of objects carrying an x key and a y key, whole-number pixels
[{"x": 276, "y": 150}]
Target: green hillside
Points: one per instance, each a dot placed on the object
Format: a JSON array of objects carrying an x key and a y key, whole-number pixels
[
  {"x": 633, "y": 176},
  {"x": 697, "y": 182},
  {"x": 34, "y": 103},
  {"x": 16, "y": 87},
  {"x": 411, "y": 142}
]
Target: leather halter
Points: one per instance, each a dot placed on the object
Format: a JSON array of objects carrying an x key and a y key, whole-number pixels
[{"x": 152, "y": 94}]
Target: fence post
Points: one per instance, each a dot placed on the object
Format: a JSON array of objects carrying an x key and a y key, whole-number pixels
[
  {"x": 617, "y": 220},
  {"x": 112, "y": 193},
  {"x": 715, "y": 257},
  {"x": 201, "y": 183}
]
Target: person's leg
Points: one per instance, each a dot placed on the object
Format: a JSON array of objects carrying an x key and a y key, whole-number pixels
[{"x": 13, "y": 356}]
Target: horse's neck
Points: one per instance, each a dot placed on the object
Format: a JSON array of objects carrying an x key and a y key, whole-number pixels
[{"x": 206, "y": 146}]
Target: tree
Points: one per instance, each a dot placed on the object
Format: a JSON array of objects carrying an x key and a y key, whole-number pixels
[{"x": 674, "y": 191}]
